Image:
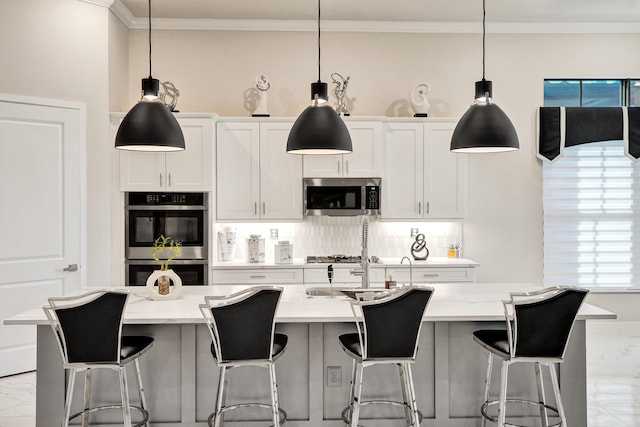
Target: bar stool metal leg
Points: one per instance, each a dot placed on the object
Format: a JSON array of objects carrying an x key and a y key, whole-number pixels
[
  {"x": 87, "y": 397},
  {"x": 143, "y": 400},
  {"x": 556, "y": 391},
  {"x": 67, "y": 403},
  {"x": 487, "y": 385},
  {"x": 502, "y": 404},
  {"x": 405, "y": 393},
  {"x": 412, "y": 397},
  {"x": 275, "y": 405},
  {"x": 544, "y": 416},
  {"x": 355, "y": 413},
  {"x": 124, "y": 392}
]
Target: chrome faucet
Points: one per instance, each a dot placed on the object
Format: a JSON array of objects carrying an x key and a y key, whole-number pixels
[
  {"x": 364, "y": 256},
  {"x": 410, "y": 269}
]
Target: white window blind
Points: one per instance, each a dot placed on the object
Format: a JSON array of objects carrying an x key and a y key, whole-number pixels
[{"x": 591, "y": 202}]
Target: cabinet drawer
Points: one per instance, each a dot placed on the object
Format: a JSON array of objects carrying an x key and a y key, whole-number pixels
[
  {"x": 341, "y": 275},
  {"x": 258, "y": 275},
  {"x": 432, "y": 275}
]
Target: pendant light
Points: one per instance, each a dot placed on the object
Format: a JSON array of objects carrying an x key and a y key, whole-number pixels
[
  {"x": 150, "y": 125},
  {"x": 319, "y": 129},
  {"x": 484, "y": 128}
]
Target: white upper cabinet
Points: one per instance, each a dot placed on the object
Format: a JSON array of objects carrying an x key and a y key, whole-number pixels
[
  {"x": 188, "y": 170},
  {"x": 256, "y": 178},
  {"x": 422, "y": 179},
  {"x": 364, "y": 162}
]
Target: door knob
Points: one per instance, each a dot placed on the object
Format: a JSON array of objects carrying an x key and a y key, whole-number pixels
[{"x": 71, "y": 267}]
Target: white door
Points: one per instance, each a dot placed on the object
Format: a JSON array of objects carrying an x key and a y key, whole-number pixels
[{"x": 41, "y": 218}]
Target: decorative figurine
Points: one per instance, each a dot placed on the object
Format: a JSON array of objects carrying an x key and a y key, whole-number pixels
[
  {"x": 419, "y": 249},
  {"x": 263, "y": 86},
  {"x": 169, "y": 91},
  {"x": 340, "y": 92},
  {"x": 419, "y": 101}
]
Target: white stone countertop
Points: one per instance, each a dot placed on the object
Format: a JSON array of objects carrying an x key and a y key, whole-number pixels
[
  {"x": 385, "y": 262},
  {"x": 450, "y": 302}
]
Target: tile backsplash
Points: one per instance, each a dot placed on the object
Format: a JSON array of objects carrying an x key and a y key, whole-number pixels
[{"x": 325, "y": 235}]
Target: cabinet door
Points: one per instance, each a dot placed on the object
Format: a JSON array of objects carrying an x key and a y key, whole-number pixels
[
  {"x": 445, "y": 182},
  {"x": 366, "y": 159},
  {"x": 142, "y": 171},
  {"x": 280, "y": 174},
  {"x": 238, "y": 171},
  {"x": 190, "y": 170},
  {"x": 403, "y": 180},
  {"x": 322, "y": 165}
]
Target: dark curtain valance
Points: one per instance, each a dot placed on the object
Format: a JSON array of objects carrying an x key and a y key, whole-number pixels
[{"x": 561, "y": 127}]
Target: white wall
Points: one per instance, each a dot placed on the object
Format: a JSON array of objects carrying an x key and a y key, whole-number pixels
[
  {"x": 503, "y": 227},
  {"x": 58, "y": 49}
]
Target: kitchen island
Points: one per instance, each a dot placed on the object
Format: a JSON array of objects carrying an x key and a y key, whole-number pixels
[{"x": 180, "y": 376}]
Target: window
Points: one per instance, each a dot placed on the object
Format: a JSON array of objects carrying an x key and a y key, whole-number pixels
[{"x": 591, "y": 198}]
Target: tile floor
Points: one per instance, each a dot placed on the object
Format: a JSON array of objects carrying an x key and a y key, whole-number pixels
[{"x": 613, "y": 390}]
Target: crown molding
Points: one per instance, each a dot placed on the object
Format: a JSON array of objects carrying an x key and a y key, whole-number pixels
[
  {"x": 125, "y": 15},
  {"x": 103, "y": 3}
]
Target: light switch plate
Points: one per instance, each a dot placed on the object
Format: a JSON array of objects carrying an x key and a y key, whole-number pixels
[
  {"x": 414, "y": 232},
  {"x": 274, "y": 233}
]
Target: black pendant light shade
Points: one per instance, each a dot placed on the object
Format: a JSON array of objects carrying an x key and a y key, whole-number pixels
[
  {"x": 319, "y": 129},
  {"x": 150, "y": 125},
  {"x": 484, "y": 128}
]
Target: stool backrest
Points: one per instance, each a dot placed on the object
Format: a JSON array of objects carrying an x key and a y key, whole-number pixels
[
  {"x": 242, "y": 325},
  {"x": 88, "y": 327},
  {"x": 391, "y": 325},
  {"x": 543, "y": 320}
]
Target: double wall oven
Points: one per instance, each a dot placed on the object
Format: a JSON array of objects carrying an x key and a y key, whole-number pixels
[{"x": 181, "y": 216}]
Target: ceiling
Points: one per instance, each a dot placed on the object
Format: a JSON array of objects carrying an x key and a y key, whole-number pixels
[{"x": 437, "y": 11}]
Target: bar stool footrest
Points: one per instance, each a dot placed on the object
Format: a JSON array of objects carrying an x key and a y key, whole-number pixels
[
  {"x": 283, "y": 413},
  {"x": 346, "y": 412},
  {"x": 485, "y": 405},
  {"x": 144, "y": 413}
]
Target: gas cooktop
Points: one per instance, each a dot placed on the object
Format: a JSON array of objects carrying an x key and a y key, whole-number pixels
[
  {"x": 353, "y": 259},
  {"x": 338, "y": 259}
]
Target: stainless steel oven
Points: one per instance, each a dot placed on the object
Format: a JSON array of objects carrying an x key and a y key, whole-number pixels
[
  {"x": 192, "y": 272},
  {"x": 181, "y": 216}
]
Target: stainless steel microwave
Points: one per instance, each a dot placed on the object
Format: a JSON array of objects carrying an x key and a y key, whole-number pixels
[{"x": 341, "y": 196}]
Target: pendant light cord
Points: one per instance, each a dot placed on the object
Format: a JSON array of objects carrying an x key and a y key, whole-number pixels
[
  {"x": 484, "y": 14},
  {"x": 318, "y": 40},
  {"x": 149, "y": 38}
]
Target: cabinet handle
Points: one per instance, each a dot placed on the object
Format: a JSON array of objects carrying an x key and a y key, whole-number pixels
[
  {"x": 419, "y": 208},
  {"x": 169, "y": 180},
  {"x": 263, "y": 208},
  {"x": 160, "y": 180},
  {"x": 256, "y": 276},
  {"x": 427, "y": 210},
  {"x": 346, "y": 170},
  {"x": 431, "y": 275},
  {"x": 255, "y": 208}
]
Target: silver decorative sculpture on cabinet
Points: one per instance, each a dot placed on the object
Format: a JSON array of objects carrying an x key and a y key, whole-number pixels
[
  {"x": 169, "y": 95},
  {"x": 263, "y": 85},
  {"x": 340, "y": 92}
]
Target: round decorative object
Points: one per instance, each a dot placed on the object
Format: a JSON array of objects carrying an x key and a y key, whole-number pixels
[
  {"x": 419, "y": 249},
  {"x": 164, "y": 290}
]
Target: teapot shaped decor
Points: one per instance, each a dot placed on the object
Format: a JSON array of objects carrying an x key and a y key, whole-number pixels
[{"x": 419, "y": 249}]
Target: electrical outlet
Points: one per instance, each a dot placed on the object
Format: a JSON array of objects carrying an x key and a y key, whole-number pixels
[
  {"x": 334, "y": 376},
  {"x": 414, "y": 232},
  {"x": 274, "y": 233}
]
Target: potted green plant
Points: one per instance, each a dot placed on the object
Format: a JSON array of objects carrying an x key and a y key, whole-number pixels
[{"x": 165, "y": 249}]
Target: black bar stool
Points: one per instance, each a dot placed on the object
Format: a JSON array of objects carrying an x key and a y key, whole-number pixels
[
  {"x": 388, "y": 332},
  {"x": 538, "y": 326},
  {"x": 242, "y": 327},
  {"x": 88, "y": 328}
]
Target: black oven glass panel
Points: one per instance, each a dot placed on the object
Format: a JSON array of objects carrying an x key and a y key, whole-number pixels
[
  {"x": 334, "y": 197},
  {"x": 184, "y": 226},
  {"x": 191, "y": 274}
]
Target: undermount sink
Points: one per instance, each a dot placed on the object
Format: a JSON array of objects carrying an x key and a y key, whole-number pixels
[{"x": 326, "y": 291}]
